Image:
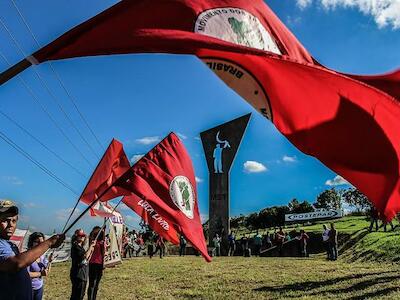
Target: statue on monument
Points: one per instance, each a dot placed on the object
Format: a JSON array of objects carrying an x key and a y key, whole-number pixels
[{"x": 217, "y": 154}]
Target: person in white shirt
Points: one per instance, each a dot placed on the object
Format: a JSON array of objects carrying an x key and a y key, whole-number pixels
[{"x": 325, "y": 240}]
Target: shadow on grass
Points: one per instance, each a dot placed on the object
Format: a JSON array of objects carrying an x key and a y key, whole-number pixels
[
  {"x": 378, "y": 294},
  {"x": 312, "y": 285},
  {"x": 353, "y": 239},
  {"x": 359, "y": 286}
]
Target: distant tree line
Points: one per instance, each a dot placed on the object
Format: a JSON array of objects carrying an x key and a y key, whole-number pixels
[{"x": 328, "y": 199}]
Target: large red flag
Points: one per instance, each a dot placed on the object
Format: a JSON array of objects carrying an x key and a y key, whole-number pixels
[
  {"x": 164, "y": 178},
  {"x": 112, "y": 165},
  {"x": 348, "y": 122},
  {"x": 149, "y": 215}
]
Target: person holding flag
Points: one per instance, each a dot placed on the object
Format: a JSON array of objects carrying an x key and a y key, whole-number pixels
[
  {"x": 163, "y": 180},
  {"x": 15, "y": 282},
  {"x": 96, "y": 261},
  {"x": 327, "y": 114}
]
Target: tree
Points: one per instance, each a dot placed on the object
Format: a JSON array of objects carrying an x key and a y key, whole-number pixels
[
  {"x": 328, "y": 199},
  {"x": 296, "y": 207},
  {"x": 305, "y": 207},
  {"x": 293, "y": 205},
  {"x": 354, "y": 197}
]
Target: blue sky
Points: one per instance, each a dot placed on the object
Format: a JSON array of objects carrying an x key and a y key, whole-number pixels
[{"x": 138, "y": 99}]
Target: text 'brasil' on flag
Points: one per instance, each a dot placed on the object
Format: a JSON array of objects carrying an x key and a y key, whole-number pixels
[{"x": 349, "y": 122}]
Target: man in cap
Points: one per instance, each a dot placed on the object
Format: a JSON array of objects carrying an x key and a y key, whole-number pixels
[{"x": 15, "y": 283}]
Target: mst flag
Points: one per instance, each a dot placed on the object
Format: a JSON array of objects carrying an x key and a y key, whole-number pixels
[
  {"x": 158, "y": 223},
  {"x": 164, "y": 178},
  {"x": 343, "y": 120},
  {"x": 112, "y": 165}
]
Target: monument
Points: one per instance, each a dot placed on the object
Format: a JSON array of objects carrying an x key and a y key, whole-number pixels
[{"x": 220, "y": 146}]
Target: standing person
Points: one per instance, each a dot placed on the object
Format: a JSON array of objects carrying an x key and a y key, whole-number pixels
[
  {"x": 245, "y": 244},
  {"x": 15, "y": 282},
  {"x": 217, "y": 244},
  {"x": 96, "y": 261},
  {"x": 182, "y": 245},
  {"x": 268, "y": 242},
  {"x": 333, "y": 242},
  {"x": 79, "y": 264},
  {"x": 325, "y": 240},
  {"x": 303, "y": 242},
  {"x": 160, "y": 246},
  {"x": 231, "y": 244},
  {"x": 257, "y": 243},
  {"x": 150, "y": 247},
  {"x": 39, "y": 267},
  {"x": 125, "y": 242},
  {"x": 140, "y": 244},
  {"x": 280, "y": 238},
  {"x": 374, "y": 215}
]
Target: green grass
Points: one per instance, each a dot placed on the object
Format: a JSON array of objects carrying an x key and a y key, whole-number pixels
[
  {"x": 238, "y": 278},
  {"x": 346, "y": 224}
]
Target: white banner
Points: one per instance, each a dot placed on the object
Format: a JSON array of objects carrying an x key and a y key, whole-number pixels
[
  {"x": 20, "y": 238},
  {"x": 322, "y": 214},
  {"x": 112, "y": 255}
]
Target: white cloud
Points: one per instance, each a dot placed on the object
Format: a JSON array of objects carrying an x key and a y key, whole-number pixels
[
  {"x": 254, "y": 167},
  {"x": 204, "y": 218},
  {"x": 30, "y": 205},
  {"x": 197, "y": 138},
  {"x": 136, "y": 157},
  {"x": 181, "y": 136},
  {"x": 384, "y": 12},
  {"x": 198, "y": 179},
  {"x": 12, "y": 180},
  {"x": 147, "y": 140},
  {"x": 303, "y": 3},
  {"x": 338, "y": 180},
  {"x": 289, "y": 159}
]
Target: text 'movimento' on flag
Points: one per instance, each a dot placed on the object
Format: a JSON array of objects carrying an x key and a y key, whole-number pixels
[
  {"x": 164, "y": 178},
  {"x": 350, "y": 123}
]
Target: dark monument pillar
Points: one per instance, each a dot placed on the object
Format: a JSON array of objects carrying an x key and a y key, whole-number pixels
[{"x": 220, "y": 147}]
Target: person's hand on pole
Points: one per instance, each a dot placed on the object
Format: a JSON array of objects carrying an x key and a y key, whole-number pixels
[{"x": 56, "y": 240}]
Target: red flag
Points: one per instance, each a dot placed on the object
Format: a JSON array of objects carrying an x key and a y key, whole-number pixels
[
  {"x": 343, "y": 120},
  {"x": 164, "y": 178},
  {"x": 157, "y": 222},
  {"x": 112, "y": 165}
]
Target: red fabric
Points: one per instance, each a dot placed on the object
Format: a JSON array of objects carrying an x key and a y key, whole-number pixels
[
  {"x": 162, "y": 26},
  {"x": 343, "y": 120},
  {"x": 158, "y": 223},
  {"x": 352, "y": 128},
  {"x": 112, "y": 165},
  {"x": 389, "y": 83},
  {"x": 151, "y": 179},
  {"x": 97, "y": 256}
]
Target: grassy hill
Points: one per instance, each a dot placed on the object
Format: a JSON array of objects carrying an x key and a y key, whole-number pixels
[{"x": 357, "y": 244}]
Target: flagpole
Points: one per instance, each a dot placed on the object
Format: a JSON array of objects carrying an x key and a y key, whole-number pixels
[
  {"x": 14, "y": 70},
  {"x": 77, "y": 202},
  {"x": 108, "y": 218},
  {"x": 121, "y": 178}
]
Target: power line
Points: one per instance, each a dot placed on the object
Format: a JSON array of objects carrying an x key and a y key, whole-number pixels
[
  {"x": 46, "y": 87},
  {"x": 9, "y": 141},
  {"x": 58, "y": 77},
  {"x": 36, "y": 99},
  {"x": 41, "y": 143}
]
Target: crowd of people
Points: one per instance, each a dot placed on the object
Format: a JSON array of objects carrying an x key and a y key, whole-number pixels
[{"x": 22, "y": 273}]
